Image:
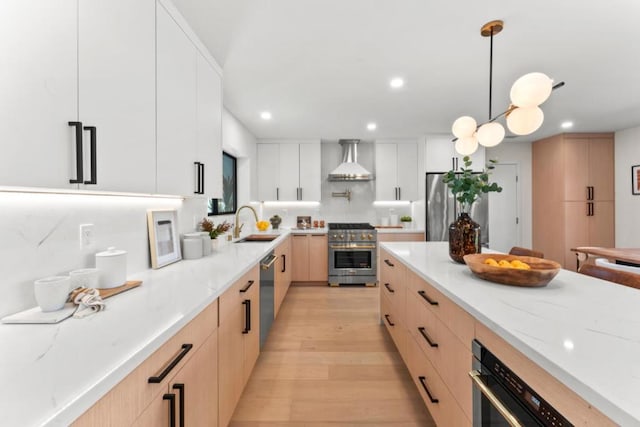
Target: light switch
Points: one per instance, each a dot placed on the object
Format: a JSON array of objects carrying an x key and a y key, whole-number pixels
[{"x": 87, "y": 238}]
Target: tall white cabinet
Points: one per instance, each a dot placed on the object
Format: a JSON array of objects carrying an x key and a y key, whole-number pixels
[
  {"x": 396, "y": 170},
  {"x": 289, "y": 171},
  {"x": 189, "y": 147}
]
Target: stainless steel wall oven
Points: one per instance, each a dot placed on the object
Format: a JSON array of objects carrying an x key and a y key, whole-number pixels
[{"x": 352, "y": 254}]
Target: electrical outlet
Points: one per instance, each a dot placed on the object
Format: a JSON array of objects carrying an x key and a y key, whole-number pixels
[{"x": 87, "y": 239}]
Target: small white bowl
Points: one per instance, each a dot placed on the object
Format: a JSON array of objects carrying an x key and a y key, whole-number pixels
[
  {"x": 52, "y": 292},
  {"x": 84, "y": 278}
]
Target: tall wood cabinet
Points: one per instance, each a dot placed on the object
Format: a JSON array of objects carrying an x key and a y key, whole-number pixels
[{"x": 573, "y": 194}]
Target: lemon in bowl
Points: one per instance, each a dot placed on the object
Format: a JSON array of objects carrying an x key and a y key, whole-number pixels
[{"x": 262, "y": 225}]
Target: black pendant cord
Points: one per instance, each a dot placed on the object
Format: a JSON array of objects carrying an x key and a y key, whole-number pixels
[{"x": 490, "y": 72}]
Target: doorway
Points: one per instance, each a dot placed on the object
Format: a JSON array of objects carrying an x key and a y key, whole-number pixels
[{"x": 504, "y": 227}]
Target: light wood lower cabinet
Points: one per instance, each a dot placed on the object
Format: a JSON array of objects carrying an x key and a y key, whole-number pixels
[
  {"x": 282, "y": 274},
  {"x": 239, "y": 340},
  {"x": 191, "y": 396},
  {"x": 137, "y": 400},
  {"x": 310, "y": 256}
]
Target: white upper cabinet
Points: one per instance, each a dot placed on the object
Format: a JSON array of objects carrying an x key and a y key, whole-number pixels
[
  {"x": 289, "y": 171},
  {"x": 310, "y": 172},
  {"x": 396, "y": 171},
  {"x": 83, "y": 62},
  {"x": 189, "y": 114},
  {"x": 441, "y": 156},
  {"x": 209, "y": 147},
  {"x": 117, "y": 92},
  {"x": 177, "y": 172},
  {"x": 38, "y": 88}
]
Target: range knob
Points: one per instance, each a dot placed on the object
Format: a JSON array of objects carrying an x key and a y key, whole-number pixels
[
  {"x": 342, "y": 237},
  {"x": 364, "y": 236},
  {"x": 370, "y": 236}
]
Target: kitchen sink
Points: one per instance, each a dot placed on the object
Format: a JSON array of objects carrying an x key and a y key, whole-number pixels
[{"x": 258, "y": 238}]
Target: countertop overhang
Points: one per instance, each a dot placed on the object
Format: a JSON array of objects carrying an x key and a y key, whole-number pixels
[{"x": 581, "y": 330}]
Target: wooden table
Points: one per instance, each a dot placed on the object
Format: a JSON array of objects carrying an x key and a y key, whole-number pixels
[{"x": 630, "y": 255}]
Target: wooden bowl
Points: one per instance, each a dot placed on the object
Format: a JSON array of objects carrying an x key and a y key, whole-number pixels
[{"x": 541, "y": 273}]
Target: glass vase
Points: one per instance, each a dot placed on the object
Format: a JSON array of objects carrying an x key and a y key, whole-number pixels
[{"x": 464, "y": 237}]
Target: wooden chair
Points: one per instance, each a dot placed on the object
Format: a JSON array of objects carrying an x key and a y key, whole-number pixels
[
  {"x": 516, "y": 250},
  {"x": 616, "y": 276}
]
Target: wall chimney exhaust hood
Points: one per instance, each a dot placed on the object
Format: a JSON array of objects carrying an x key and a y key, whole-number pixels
[{"x": 350, "y": 169}]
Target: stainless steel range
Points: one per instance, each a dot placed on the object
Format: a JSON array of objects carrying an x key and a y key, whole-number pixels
[{"x": 352, "y": 254}]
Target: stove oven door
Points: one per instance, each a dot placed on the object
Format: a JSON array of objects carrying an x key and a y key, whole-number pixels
[{"x": 352, "y": 259}]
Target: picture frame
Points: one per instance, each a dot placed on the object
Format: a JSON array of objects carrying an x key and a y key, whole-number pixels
[
  {"x": 164, "y": 241},
  {"x": 635, "y": 180}
]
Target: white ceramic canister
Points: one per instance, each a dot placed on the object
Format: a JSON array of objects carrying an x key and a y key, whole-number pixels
[
  {"x": 112, "y": 264},
  {"x": 191, "y": 246},
  {"x": 206, "y": 243}
]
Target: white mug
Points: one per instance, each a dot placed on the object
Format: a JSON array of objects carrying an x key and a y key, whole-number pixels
[
  {"x": 85, "y": 278},
  {"x": 52, "y": 292}
]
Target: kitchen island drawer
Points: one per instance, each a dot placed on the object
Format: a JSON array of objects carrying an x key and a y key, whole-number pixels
[
  {"x": 457, "y": 320},
  {"x": 394, "y": 324},
  {"x": 393, "y": 283}
]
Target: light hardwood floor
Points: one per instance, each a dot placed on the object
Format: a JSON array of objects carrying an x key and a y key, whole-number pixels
[{"x": 328, "y": 362}]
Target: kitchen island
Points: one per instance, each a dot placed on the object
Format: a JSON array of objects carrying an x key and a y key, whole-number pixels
[
  {"x": 580, "y": 330},
  {"x": 54, "y": 373}
]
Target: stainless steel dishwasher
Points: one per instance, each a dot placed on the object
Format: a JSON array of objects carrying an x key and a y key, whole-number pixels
[{"x": 267, "y": 277}]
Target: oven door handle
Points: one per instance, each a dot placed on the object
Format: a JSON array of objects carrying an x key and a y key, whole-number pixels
[
  {"x": 494, "y": 400},
  {"x": 352, "y": 246}
]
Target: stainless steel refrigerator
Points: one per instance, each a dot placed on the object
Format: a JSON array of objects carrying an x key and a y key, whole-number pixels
[{"x": 442, "y": 210}]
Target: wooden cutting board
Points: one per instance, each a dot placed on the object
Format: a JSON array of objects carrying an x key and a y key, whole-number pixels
[{"x": 130, "y": 284}]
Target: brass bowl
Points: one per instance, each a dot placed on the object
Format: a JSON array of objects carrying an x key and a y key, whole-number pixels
[{"x": 541, "y": 273}]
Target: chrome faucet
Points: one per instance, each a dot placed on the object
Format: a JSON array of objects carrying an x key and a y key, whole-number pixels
[{"x": 236, "y": 229}]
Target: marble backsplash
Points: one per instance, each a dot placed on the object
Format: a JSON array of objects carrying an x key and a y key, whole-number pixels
[{"x": 41, "y": 236}]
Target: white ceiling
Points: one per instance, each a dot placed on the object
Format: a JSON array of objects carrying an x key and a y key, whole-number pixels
[{"x": 322, "y": 67}]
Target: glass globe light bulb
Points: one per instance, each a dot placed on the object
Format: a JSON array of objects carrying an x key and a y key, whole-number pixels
[
  {"x": 524, "y": 121},
  {"x": 463, "y": 126},
  {"x": 531, "y": 90},
  {"x": 490, "y": 134},
  {"x": 467, "y": 145}
]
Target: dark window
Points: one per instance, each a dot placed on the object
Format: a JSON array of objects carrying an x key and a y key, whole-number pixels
[{"x": 229, "y": 202}]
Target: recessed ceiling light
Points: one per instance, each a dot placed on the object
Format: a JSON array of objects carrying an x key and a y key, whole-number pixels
[
  {"x": 265, "y": 115},
  {"x": 566, "y": 125},
  {"x": 372, "y": 126},
  {"x": 396, "y": 82}
]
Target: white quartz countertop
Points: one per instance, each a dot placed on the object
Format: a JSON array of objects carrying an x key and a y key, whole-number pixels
[
  {"x": 316, "y": 230},
  {"x": 51, "y": 374},
  {"x": 583, "y": 331}
]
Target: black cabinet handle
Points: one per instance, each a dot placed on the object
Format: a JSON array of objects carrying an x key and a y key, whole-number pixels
[
  {"x": 593, "y": 193},
  {"x": 284, "y": 263},
  {"x": 389, "y": 263},
  {"x": 277, "y": 193},
  {"x": 247, "y": 316},
  {"x": 79, "y": 158},
  {"x": 423, "y": 332},
  {"x": 185, "y": 349},
  {"x": 172, "y": 408},
  {"x": 300, "y": 198},
  {"x": 246, "y": 288},
  {"x": 386, "y": 285},
  {"x": 180, "y": 387},
  {"x": 423, "y": 294},
  {"x": 201, "y": 178},
  {"x": 386, "y": 316},
  {"x": 197, "y": 176},
  {"x": 93, "y": 140},
  {"x": 399, "y": 193},
  {"x": 423, "y": 381}
]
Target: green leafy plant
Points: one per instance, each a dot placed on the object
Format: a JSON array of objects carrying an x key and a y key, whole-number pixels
[
  {"x": 467, "y": 186},
  {"x": 405, "y": 218},
  {"x": 214, "y": 230}
]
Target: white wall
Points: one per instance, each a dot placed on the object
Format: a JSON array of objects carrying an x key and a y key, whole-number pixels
[
  {"x": 627, "y": 154},
  {"x": 520, "y": 154}
]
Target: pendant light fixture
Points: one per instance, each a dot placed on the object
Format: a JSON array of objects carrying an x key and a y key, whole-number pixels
[{"x": 523, "y": 116}]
